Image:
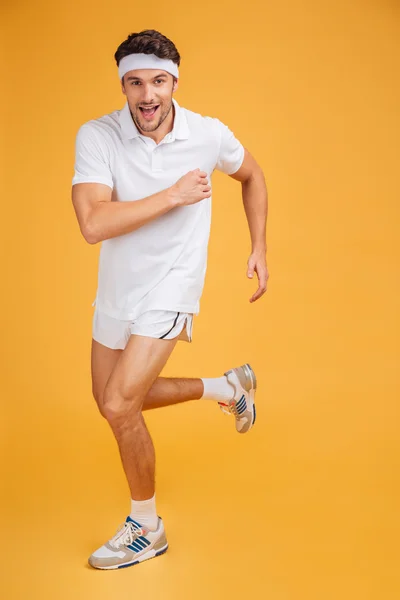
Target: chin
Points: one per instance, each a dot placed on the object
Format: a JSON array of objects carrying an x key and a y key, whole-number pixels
[{"x": 149, "y": 127}]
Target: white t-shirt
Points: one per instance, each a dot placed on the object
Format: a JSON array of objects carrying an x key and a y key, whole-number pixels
[{"x": 162, "y": 264}]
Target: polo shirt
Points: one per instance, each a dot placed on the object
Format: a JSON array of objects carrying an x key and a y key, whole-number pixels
[{"x": 162, "y": 264}]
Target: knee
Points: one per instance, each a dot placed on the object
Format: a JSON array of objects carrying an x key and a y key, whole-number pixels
[
  {"x": 98, "y": 395},
  {"x": 118, "y": 407}
]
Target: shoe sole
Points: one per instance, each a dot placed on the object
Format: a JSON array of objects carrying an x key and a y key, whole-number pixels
[
  {"x": 251, "y": 375},
  {"x": 147, "y": 556}
]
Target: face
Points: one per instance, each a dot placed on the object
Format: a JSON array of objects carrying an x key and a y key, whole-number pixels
[{"x": 149, "y": 88}]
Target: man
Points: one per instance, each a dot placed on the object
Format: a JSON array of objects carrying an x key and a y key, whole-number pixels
[{"x": 141, "y": 187}]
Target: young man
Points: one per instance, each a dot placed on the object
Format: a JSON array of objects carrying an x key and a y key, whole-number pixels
[{"x": 141, "y": 187}]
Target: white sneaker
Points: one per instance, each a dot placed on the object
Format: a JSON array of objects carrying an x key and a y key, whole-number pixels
[
  {"x": 244, "y": 382},
  {"x": 132, "y": 544}
]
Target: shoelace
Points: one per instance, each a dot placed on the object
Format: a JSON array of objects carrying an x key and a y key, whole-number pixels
[
  {"x": 126, "y": 534},
  {"x": 229, "y": 410}
]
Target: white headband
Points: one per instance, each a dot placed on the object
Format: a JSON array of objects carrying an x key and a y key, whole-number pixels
[{"x": 146, "y": 61}]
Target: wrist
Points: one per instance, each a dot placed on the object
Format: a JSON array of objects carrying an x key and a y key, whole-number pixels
[
  {"x": 173, "y": 196},
  {"x": 259, "y": 249}
]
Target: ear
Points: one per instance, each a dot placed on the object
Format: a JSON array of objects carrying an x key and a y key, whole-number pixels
[
  {"x": 175, "y": 86},
  {"x": 123, "y": 87}
]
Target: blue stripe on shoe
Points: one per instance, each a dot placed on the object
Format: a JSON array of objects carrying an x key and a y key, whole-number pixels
[
  {"x": 145, "y": 540},
  {"x": 140, "y": 543},
  {"x": 136, "y": 547},
  {"x": 242, "y": 400},
  {"x": 241, "y": 405}
]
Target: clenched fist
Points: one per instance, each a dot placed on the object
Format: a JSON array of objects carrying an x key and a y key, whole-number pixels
[{"x": 191, "y": 188}]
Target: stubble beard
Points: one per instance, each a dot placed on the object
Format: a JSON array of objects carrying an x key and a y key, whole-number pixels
[{"x": 149, "y": 127}]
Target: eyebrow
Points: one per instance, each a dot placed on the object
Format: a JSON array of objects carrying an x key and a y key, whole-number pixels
[{"x": 156, "y": 77}]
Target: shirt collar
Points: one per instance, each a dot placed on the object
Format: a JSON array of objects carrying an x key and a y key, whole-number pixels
[{"x": 180, "y": 129}]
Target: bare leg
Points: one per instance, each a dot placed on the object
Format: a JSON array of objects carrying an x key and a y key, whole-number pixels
[
  {"x": 165, "y": 391},
  {"x": 134, "y": 373}
]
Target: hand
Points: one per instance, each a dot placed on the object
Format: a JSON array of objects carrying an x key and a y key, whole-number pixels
[
  {"x": 258, "y": 263},
  {"x": 191, "y": 188}
]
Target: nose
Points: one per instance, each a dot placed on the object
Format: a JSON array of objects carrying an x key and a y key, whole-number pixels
[{"x": 147, "y": 94}]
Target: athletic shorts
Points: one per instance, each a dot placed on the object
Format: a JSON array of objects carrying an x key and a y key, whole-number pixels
[{"x": 162, "y": 324}]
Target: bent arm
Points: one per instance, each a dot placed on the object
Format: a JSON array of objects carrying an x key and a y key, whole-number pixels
[
  {"x": 255, "y": 200},
  {"x": 100, "y": 219}
]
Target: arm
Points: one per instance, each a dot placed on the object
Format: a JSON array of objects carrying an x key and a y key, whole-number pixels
[
  {"x": 100, "y": 219},
  {"x": 255, "y": 201}
]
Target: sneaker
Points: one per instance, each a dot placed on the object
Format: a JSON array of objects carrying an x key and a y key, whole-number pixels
[
  {"x": 244, "y": 382},
  {"x": 133, "y": 543}
]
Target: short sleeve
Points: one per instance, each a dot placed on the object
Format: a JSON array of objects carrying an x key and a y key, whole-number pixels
[
  {"x": 91, "y": 158},
  {"x": 231, "y": 151}
]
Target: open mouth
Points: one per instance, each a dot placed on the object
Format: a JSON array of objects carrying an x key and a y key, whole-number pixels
[{"x": 149, "y": 112}]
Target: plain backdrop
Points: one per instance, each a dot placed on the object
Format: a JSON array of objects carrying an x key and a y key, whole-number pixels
[{"x": 305, "y": 506}]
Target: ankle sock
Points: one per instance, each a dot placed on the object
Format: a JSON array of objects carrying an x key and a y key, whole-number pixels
[
  {"x": 218, "y": 388},
  {"x": 144, "y": 511}
]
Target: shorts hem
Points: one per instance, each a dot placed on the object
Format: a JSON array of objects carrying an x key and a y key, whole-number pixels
[{"x": 183, "y": 308}]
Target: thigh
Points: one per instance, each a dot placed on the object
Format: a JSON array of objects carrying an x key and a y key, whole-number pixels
[
  {"x": 137, "y": 368},
  {"x": 103, "y": 361}
]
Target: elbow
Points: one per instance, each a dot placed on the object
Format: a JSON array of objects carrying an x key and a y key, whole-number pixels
[
  {"x": 90, "y": 235},
  {"x": 256, "y": 175},
  {"x": 91, "y": 240}
]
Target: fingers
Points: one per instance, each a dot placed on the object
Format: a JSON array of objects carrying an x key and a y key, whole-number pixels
[
  {"x": 260, "y": 292},
  {"x": 202, "y": 176},
  {"x": 262, "y": 287},
  {"x": 203, "y": 180}
]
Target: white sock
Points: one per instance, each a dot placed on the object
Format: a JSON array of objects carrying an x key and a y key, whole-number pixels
[
  {"x": 144, "y": 511},
  {"x": 218, "y": 388}
]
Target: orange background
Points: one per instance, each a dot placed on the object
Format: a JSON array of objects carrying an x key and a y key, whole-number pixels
[{"x": 306, "y": 505}]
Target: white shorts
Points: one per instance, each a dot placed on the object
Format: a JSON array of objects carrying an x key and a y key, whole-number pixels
[{"x": 163, "y": 324}]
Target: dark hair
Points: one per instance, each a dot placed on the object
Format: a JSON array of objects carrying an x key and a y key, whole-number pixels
[{"x": 148, "y": 41}]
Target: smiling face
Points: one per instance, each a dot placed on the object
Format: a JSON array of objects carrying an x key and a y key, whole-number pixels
[{"x": 149, "y": 95}]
